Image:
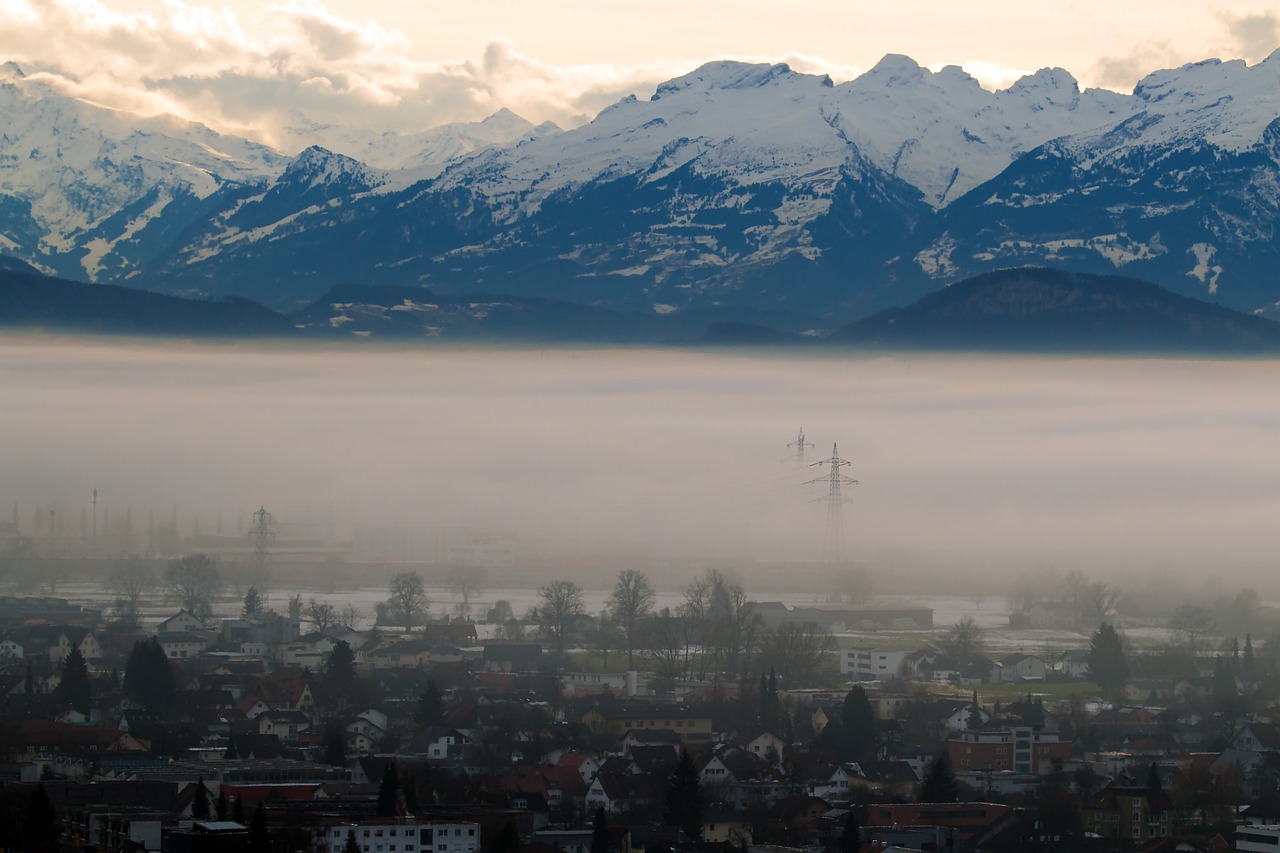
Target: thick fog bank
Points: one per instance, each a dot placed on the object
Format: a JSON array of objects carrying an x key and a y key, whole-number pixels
[{"x": 979, "y": 465}]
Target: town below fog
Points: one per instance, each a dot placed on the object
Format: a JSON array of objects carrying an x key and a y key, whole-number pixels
[{"x": 256, "y": 696}]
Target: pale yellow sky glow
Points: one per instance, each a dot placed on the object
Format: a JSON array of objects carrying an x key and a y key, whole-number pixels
[{"x": 239, "y": 64}]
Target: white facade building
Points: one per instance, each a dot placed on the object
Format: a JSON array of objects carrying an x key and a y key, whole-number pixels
[
  {"x": 402, "y": 837},
  {"x": 868, "y": 664}
]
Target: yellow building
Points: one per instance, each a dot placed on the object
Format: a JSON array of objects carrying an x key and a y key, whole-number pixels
[{"x": 616, "y": 719}]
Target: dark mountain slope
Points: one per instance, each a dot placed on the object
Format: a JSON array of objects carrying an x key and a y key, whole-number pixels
[
  {"x": 1035, "y": 309},
  {"x": 34, "y": 301}
]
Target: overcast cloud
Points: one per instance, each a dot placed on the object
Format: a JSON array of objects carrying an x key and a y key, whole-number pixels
[{"x": 298, "y": 62}]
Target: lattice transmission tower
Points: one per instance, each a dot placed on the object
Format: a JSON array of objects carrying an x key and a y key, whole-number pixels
[
  {"x": 261, "y": 534},
  {"x": 835, "y": 480},
  {"x": 800, "y": 444}
]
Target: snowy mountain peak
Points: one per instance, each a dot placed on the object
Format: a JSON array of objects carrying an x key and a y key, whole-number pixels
[
  {"x": 897, "y": 70},
  {"x": 1048, "y": 82},
  {"x": 958, "y": 74},
  {"x": 11, "y": 71},
  {"x": 729, "y": 75},
  {"x": 317, "y": 166},
  {"x": 504, "y": 119}
]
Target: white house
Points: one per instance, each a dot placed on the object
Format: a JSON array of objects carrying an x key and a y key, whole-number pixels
[
  {"x": 1020, "y": 667},
  {"x": 181, "y": 622},
  {"x": 178, "y": 645}
]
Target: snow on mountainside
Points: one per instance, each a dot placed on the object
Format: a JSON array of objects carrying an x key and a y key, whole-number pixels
[
  {"x": 90, "y": 192},
  {"x": 736, "y": 183},
  {"x": 80, "y": 177},
  {"x": 944, "y": 134},
  {"x": 424, "y": 152},
  {"x": 1226, "y": 104}
]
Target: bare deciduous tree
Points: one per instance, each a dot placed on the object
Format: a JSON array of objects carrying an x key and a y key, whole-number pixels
[
  {"x": 796, "y": 651},
  {"x": 629, "y": 603},
  {"x": 131, "y": 578},
  {"x": 466, "y": 582},
  {"x": 193, "y": 581},
  {"x": 321, "y": 614},
  {"x": 408, "y": 603},
  {"x": 559, "y": 609}
]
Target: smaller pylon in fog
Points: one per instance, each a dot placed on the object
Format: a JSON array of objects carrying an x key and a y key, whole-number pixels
[
  {"x": 261, "y": 535},
  {"x": 833, "y": 545},
  {"x": 799, "y": 444}
]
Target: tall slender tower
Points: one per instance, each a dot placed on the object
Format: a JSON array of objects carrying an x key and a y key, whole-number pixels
[
  {"x": 261, "y": 535},
  {"x": 835, "y": 480},
  {"x": 799, "y": 444}
]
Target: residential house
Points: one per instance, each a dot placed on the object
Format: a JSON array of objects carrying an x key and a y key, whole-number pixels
[
  {"x": 178, "y": 646},
  {"x": 402, "y": 653},
  {"x": 181, "y": 622},
  {"x": 1131, "y": 812},
  {"x": 1074, "y": 663},
  {"x": 618, "y": 718},
  {"x": 286, "y": 725},
  {"x": 1021, "y": 667},
  {"x": 766, "y": 745},
  {"x": 1019, "y": 749}
]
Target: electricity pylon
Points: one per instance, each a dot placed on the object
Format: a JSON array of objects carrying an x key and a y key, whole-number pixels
[
  {"x": 799, "y": 444},
  {"x": 261, "y": 534},
  {"x": 833, "y": 546}
]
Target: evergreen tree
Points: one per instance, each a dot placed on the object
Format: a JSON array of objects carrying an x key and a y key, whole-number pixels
[
  {"x": 259, "y": 835},
  {"x": 200, "y": 803},
  {"x": 1108, "y": 665},
  {"x": 684, "y": 797},
  {"x": 1153, "y": 778},
  {"x": 410, "y": 787},
  {"x": 858, "y": 726},
  {"x": 600, "y": 832},
  {"x": 253, "y": 603},
  {"x": 40, "y": 822},
  {"x": 508, "y": 840},
  {"x": 1248, "y": 668},
  {"x": 148, "y": 678},
  {"x": 222, "y": 810},
  {"x": 390, "y": 803},
  {"x": 939, "y": 783},
  {"x": 851, "y": 834},
  {"x": 340, "y": 665},
  {"x": 231, "y": 754},
  {"x": 237, "y": 811},
  {"x": 335, "y": 745},
  {"x": 430, "y": 708},
  {"x": 352, "y": 846},
  {"x": 76, "y": 688},
  {"x": 1056, "y": 808},
  {"x": 770, "y": 708}
]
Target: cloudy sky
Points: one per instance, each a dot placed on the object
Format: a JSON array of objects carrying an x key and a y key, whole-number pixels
[{"x": 240, "y": 65}]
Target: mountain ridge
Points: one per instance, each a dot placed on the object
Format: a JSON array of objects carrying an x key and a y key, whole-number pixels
[{"x": 739, "y": 184}]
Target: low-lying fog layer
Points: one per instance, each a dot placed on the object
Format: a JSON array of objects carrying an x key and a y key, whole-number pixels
[{"x": 984, "y": 463}]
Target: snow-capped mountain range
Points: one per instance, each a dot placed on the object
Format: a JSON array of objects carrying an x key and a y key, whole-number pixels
[{"x": 737, "y": 183}]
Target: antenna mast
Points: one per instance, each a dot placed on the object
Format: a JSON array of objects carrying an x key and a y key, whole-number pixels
[{"x": 833, "y": 546}]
